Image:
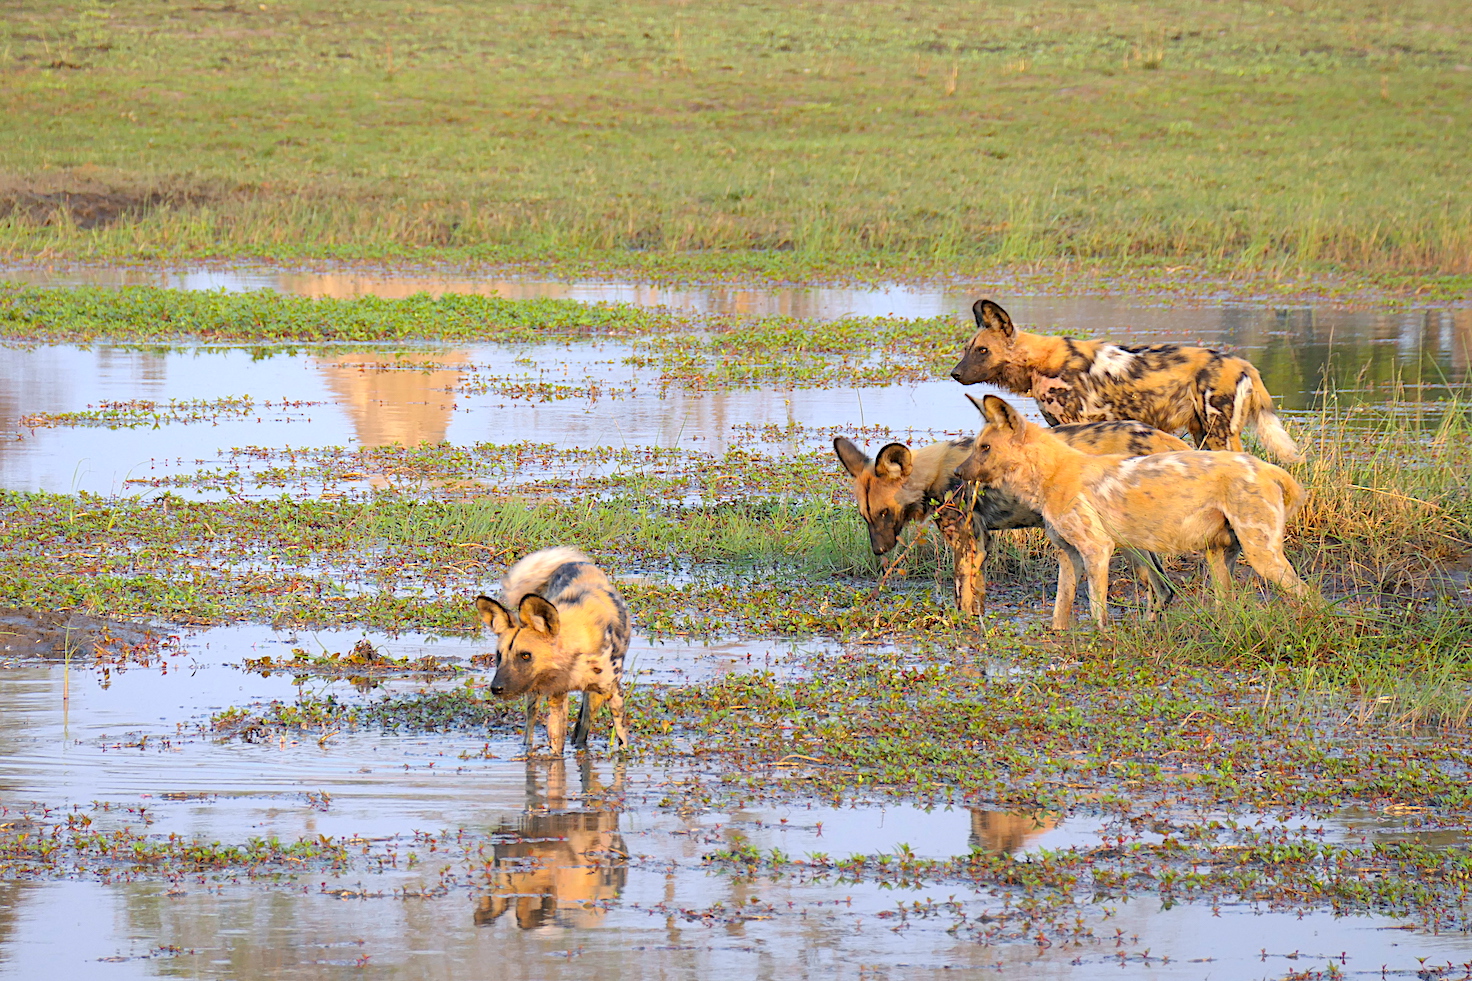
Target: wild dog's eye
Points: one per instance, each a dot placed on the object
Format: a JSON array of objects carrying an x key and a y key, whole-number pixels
[
  {"x": 985, "y": 447},
  {"x": 526, "y": 655},
  {"x": 981, "y": 350}
]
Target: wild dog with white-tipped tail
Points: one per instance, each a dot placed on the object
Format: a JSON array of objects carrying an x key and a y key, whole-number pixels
[
  {"x": 1172, "y": 387},
  {"x": 561, "y": 627}
]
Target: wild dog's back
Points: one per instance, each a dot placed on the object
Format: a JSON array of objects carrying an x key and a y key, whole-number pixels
[
  {"x": 533, "y": 573},
  {"x": 1124, "y": 436}
]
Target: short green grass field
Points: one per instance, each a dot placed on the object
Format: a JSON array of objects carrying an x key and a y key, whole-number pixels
[{"x": 803, "y": 139}]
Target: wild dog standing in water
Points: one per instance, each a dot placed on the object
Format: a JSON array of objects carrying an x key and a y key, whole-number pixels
[
  {"x": 569, "y": 632},
  {"x": 1169, "y": 386},
  {"x": 1224, "y": 503},
  {"x": 897, "y": 487}
]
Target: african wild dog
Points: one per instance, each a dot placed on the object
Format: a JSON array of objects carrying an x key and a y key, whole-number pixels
[
  {"x": 897, "y": 487},
  {"x": 569, "y": 633},
  {"x": 1169, "y": 386},
  {"x": 1224, "y": 503}
]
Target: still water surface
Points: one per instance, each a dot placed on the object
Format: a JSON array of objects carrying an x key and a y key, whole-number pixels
[{"x": 1407, "y": 361}]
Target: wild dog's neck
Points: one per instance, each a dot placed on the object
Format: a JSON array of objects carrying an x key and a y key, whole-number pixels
[
  {"x": 1015, "y": 372},
  {"x": 1029, "y": 482}
]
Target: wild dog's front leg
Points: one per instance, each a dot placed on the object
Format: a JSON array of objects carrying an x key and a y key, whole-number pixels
[
  {"x": 1070, "y": 570},
  {"x": 529, "y": 737},
  {"x": 967, "y": 556},
  {"x": 592, "y": 702},
  {"x": 1096, "y": 557},
  {"x": 980, "y": 545},
  {"x": 556, "y": 722}
]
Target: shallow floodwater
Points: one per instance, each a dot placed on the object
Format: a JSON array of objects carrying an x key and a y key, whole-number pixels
[
  {"x": 537, "y": 869},
  {"x": 570, "y": 869},
  {"x": 585, "y": 395}
]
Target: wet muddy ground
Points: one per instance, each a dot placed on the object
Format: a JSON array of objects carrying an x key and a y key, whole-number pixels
[{"x": 243, "y": 801}]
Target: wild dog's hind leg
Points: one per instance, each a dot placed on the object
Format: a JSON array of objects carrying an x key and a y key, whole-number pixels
[
  {"x": 1160, "y": 591},
  {"x": 620, "y": 737},
  {"x": 1221, "y": 561},
  {"x": 1264, "y": 552},
  {"x": 1220, "y": 567},
  {"x": 592, "y": 702}
]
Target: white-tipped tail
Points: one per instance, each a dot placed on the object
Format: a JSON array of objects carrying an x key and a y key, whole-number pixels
[
  {"x": 1270, "y": 430},
  {"x": 530, "y": 575}
]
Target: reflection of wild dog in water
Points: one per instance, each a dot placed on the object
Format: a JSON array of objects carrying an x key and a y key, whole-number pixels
[
  {"x": 897, "y": 487},
  {"x": 1003, "y": 832},
  {"x": 1170, "y": 386},
  {"x": 1224, "y": 503},
  {"x": 560, "y": 867},
  {"x": 569, "y": 633}
]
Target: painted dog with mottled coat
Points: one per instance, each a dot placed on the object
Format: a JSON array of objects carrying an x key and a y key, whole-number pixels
[
  {"x": 1173, "y": 387},
  {"x": 561, "y": 627},
  {"x": 1223, "y": 503},
  {"x": 899, "y": 486}
]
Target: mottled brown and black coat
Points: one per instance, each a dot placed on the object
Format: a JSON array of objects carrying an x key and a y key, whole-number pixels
[
  {"x": 1174, "y": 387},
  {"x": 1222, "y": 503},
  {"x": 561, "y": 627},
  {"x": 898, "y": 486}
]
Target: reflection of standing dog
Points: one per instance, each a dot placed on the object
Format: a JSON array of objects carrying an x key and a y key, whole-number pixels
[
  {"x": 1003, "y": 832},
  {"x": 569, "y": 633},
  {"x": 562, "y": 867},
  {"x": 1225, "y": 503},
  {"x": 1170, "y": 386},
  {"x": 897, "y": 487}
]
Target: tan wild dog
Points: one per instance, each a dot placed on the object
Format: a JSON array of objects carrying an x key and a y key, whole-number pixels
[
  {"x": 1169, "y": 386},
  {"x": 569, "y": 632},
  {"x": 1224, "y": 503},
  {"x": 898, "y": 486}
]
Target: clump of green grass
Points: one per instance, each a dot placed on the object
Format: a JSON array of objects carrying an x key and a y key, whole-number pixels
[{"x": 1389, "y": 496}]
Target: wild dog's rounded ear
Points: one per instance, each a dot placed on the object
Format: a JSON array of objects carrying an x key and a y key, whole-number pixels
[
  {"x": 539, "y": 615},
  {"x": 894, "y": 461},
  {"x": 493, "y": 614},
  {"x": 852, "y": 458},
  {"x": 990, "y": 316},
  {"x": 999, "y": 413},
  {"x": 980, "y": 406}
]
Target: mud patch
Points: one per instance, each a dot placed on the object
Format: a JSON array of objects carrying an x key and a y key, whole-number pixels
[
  {"x": 34, "y": 634},
  {"x": 89, "y": 203}
]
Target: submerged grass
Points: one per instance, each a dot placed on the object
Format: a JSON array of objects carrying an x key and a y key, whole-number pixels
[{"x": 779, "y": 140}]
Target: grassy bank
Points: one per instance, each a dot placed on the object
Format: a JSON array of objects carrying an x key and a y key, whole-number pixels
[{"x": 771, "y": 139}]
